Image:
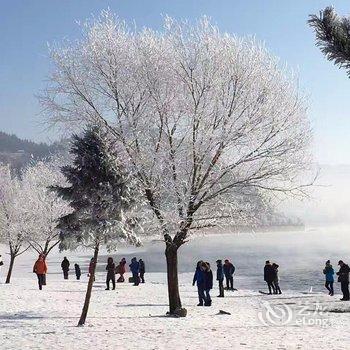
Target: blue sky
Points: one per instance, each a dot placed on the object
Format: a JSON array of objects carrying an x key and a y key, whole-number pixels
[{"x": 27, "y": 26}]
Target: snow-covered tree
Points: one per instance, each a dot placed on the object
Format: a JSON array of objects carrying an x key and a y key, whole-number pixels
[
  {"x": 13, "y": 219},
  {"x": 43, "y": 204},
  {"x": 98, "y": 192},
  {"x": 333, "y": 36},
  {"x": 198, "y": 116}
]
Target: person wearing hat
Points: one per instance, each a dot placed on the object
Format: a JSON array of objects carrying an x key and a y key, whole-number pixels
[
  {"x": 329, "y": 272},
  {"x": 343, "y": 278},
  {"x": 220, "y": 277}
]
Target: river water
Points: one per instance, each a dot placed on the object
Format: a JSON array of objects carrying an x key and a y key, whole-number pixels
[{"x": 301, "y": 256}]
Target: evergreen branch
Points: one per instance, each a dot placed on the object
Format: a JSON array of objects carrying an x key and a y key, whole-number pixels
[{"x": 333, "y": 36}]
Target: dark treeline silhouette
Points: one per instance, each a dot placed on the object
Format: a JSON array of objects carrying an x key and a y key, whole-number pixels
[{"x": 18, "y": 152}]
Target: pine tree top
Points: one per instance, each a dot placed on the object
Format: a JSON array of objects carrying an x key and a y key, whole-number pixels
[{"x": 333, "y": 36}]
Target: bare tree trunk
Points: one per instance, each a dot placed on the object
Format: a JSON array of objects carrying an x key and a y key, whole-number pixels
[
  {"x": 44, "y": 277},
  {"x": 9, "y": 273},
  {"x": 173, "y": 281},
  {"x": 88, "y": 291}
]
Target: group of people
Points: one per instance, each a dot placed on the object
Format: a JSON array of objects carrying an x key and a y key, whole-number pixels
[
  {"x": 65, "y": 269},
  {"x": 40, "y": 269},
  {"x": 203, "y": 277},
  {"x": 224, "y": 270},
  {"x": 137, "y": 269},
  {"x": 271, "y": 277},
  {"x": 343, "y": 278}
]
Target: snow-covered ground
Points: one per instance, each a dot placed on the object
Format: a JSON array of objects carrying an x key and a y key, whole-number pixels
[{"x": 134, "y": 318}]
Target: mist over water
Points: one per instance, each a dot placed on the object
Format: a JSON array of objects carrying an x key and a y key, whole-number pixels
[{"x": 301, "y": 255}]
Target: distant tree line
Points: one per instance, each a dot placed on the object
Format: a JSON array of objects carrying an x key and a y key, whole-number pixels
[
  {"x": 12, "y": 143},
  {"x": 18, "y": 152}
]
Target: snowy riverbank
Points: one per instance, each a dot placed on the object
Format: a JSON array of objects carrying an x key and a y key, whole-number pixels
[{"x": 133, "y": 317}]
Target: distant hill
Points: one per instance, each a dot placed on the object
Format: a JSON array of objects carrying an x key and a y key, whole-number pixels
[{"x": 18, "y": 152}]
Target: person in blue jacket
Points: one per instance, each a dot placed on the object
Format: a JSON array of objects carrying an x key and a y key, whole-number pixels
[
  {"x": 220, "y": 277},
  {"x": 199, "y": 278},
  {"x": 329, "y": 274},
  {"x": 134, "y": 268}
]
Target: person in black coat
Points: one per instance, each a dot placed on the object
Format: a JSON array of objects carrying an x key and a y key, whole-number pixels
[
  {"x": 77, "y": 271},
  {"x": 276, "y": 281},
  {"x": 220, "y": 277},
  {"x": 229, "y": 270},
  {"x": 208, "y": 282},
  {"x": 343, "y": 278},
  {"x": 110, "y": 273},
  {"x": 269, "y": 276},
  {"x": 65, "y": 267},
  {"x": 200, "y": 280},
  {"x": 142, "y": 270}
]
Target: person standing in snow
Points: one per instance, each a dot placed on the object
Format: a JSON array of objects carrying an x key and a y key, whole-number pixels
[
  {"x": 208, "y": 282},
  {"x": 229, "y": 270},
  {"x": 77, "y": 271},
  {"x": 110, "y": 273},
  {"x": 199, "y": 279},
  {"x": 328, "y": 271},
  {"x": 135, "y": 269},
  {"x": 343, "y": 278},
  {"x": 269, "y": 276},
  {"x": 142, "y": 270},
  {"x": 65, "y": 267},
  {"x": 1, "y": 262},
  {"x": 220, "y": 277},
  {"x": 40, "y": 268},
  {"x": 276, "y": 282},
  {"x": 121, "y": 269}
]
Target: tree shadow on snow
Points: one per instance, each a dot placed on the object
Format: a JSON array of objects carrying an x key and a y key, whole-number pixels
[
  {"x": 141, "y": 305},
  {"x": 67, "y": 291},
  {"x": 21, "y": 316}
]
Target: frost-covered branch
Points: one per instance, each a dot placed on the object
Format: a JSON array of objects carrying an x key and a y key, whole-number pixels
[
  {"x": 194, "y": 113},
  {"x": 44, "y": 206},
  {"x": 201, "y": 119}
]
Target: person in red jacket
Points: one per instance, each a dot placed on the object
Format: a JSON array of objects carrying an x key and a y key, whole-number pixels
[
  {"x": 40, "y": 268},
  {"x": 121, "y": 269}
]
